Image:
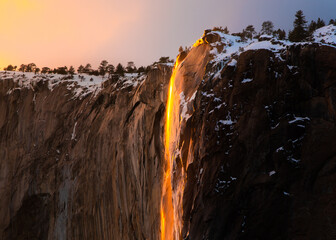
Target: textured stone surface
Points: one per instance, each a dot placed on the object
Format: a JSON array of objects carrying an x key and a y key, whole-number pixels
[
  {"x": 82, "y": 169},
  {"x": 264, "y": 154}
]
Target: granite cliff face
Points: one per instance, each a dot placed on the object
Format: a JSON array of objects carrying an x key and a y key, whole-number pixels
[
  {"x": 81, "y": 168},
  {"x": 264, "y": 155},
  {"x": 254, "y": 148}
]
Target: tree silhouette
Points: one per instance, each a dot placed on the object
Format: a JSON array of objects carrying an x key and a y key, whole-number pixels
[
  {"x": 164, "y": 60},
  {"x": 45, "y": 70},
  {"x": 141, "y": 69},
  {"x": 80, "y": 69},
  {"x": 320, "y": 23},
  {"x": 71, "y": 70},
  {"x": 87, "y": 69},
  {"x": 249, "y": 31},
  {"x": 10, "y": 68},
  {"x": 299, "y": 33},
  {"x": 130, "y": 67},
  {"x": 280, "y": 34},
  {"x": 31, "y": 67},
  {"x": 120, "y": 69},
  {"x": 62, "y": 70},
  {"x": 312, "y": 27},
  {"x": 110, "y": 70},
  {"x": 221, "y": 29},
  {"x": 267, "y": 28},
  {"x": 23, "y": 68},
  {"x": 103, "y": 67}
]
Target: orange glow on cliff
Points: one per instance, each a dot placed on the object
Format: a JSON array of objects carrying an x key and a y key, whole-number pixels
[{"x": 198, "y": 42}]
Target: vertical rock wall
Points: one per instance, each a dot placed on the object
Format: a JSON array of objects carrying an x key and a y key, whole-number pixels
[
  {"x": 262, "y": 136},
  {"x": 86, "y": 168}
]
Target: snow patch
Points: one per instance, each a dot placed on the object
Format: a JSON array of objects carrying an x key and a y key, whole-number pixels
[
  {"x": 226, "y": 122},
  {"x": 325, "y": 35},
  {"x": 246, "y": 80},
  {"x": 184, "y": 105},
  {"x": 296, "y": 119},
  {"x": 232, "y": 63}
]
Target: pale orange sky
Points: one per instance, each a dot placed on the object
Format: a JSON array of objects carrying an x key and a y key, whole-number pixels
[
  {"x": 72, "y": 32},
  {"x": 62, "y": 32}
]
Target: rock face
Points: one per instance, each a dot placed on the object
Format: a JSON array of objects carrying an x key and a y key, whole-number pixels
[
  {"x": 263, "y": 143},
  {"x": 257, "y": 147},
  {"x": 82, "y": 168}
]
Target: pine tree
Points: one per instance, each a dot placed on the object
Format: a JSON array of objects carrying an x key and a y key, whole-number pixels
[
  {"x": 87, "y": 69},
  {"x": 312, "y": 27},
  {"x": 120, "y": 69},
  {"x": 130, "y": 67},
  {"x": 103, "y": 67},
  {"x": 249, "y": 31},
  {"x": 71, "y": 70},
  {"x": 80, "y": 69},
  {"x": 320, "y": 23},
  {"x": 299, "y": 33},
  {"x": 267, "y": 28},
  {"x": 141, "y": 69},
  {"x": 164, "y": 60},
  {"x": 45, "y": 70},
  {"x": 9, "y": 68},
  {"x": 110, "y": 69},
  {"x": 62, "y": 70},
  {"x": 332, "y": 22},
  {"x": 226, "y": 30},
  {"x": 23, "y": 68},
  {"x": 31, "y": 67},
  {"x": 280, "y": 34}
]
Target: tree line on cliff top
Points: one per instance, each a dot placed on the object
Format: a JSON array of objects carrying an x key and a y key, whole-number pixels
[
  {"x": 104, "y": 69},
  {"x": 300, "y": 32}
]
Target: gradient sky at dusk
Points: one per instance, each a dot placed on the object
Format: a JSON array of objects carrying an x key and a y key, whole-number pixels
[{"x": 71, "y": 32}]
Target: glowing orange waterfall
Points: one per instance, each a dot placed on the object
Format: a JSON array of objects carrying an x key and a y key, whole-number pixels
[
  {"x": 182, "y": 88},
  {"x": 170, "y": 202}
]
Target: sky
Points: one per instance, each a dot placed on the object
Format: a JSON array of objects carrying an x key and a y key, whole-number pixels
[{"x": 57, "y": 33}]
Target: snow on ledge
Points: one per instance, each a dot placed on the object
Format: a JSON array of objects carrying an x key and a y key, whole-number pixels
[
  {"x": 80, "y": 85},
  {"x": 326, "y": 35}
]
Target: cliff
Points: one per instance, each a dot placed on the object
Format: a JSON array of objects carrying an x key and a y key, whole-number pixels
[
  {"x": 264, "y": 157},
  {"x": 81, "y": 167},
  {"x": 251, "y": 147}
]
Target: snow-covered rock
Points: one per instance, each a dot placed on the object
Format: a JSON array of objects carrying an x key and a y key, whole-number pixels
[
  {"x": 225, "y": 48},
  {"x": 326, "y": 35},
  {"x": 80, "y": 84}
]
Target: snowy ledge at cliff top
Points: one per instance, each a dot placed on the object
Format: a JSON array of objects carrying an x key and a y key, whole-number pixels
[
  {"x": 80, "y": 84},
  {"x": 233, "y": 45},
  {"x": 325, "y": 35}
]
